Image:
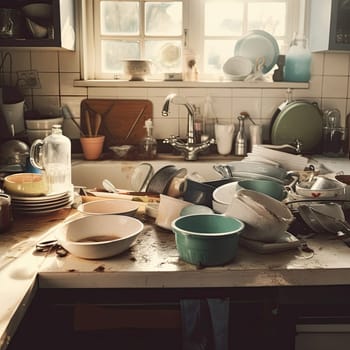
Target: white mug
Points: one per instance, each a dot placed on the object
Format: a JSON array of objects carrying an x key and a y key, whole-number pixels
[{"x": 224, "y": 137}]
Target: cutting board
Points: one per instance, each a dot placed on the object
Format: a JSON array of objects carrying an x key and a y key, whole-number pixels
[{"x": 120, "y": 117}]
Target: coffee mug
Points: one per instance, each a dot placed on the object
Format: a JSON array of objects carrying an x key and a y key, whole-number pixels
[{"x": 5, "y": 212}]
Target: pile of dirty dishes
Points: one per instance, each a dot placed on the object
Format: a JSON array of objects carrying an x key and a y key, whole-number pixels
[{"x": 30, "y": 194}]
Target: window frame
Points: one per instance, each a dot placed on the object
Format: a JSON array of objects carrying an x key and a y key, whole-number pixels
[{"x": 192, "y": 25}]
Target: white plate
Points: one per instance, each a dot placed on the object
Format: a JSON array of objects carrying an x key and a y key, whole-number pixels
[
  {"x": 46, "y": 198},
  {"x": 258, "y": 43},
  {"x": 43, "y": 211},
  {"x": 285, "y": 242}
]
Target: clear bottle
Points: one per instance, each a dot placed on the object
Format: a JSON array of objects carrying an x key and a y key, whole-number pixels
[
  {"x": 198, "y": 124},
  {"x": 241, "y": 138},
  {"x": 53, "y": 156},
  {"x": 298, "y": 61},
  {"x": 149, "y": 143}
]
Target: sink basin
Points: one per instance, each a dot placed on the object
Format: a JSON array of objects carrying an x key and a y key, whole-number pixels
[{"x": 92, "y": 173}]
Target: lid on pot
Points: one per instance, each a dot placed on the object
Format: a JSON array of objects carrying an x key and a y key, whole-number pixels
[{"x": 14, "y": 152}]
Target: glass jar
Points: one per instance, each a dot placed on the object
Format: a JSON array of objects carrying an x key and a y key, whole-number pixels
[
  {"x": 53, "y": 156},
  {"x": 298, "y": 61}
]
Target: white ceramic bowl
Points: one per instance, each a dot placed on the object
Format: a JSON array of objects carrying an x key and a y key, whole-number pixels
[
  {"x": 37, "y": 134},
  {"x": 46, "y": 123},
  {"x": 100, "y": 236},
  {"x": 137, "y": 69},
  {"x": 225, "y": 193},
  {"x": 109, "y": 206},
  {"x": 265, "y": 217},
  {"x": 334, "y": 189},
  {"x": 26, "y": 184},
  {"x": 237, "y": 67},
  {"x": 37, "y": 10}
]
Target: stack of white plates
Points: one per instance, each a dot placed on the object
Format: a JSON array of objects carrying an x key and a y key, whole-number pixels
[{"x": 41, "y": 204}]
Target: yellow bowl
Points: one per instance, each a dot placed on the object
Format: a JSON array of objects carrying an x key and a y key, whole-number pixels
[{"x": 26, "y": 184}]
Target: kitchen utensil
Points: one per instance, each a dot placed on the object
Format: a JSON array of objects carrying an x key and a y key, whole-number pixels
[
  {"x": 134, "y": 123},
  {"x": 88, "y": 123},
  {"x": 98, "y": 236},
  {"x": 109, "y": 206},
  {"x": 109, "y": 187},
  {"x": 67, "y": 114},
  {"x": 258, "y": 43},
  {"x": 207, "y": 239},
  {"x": 97, "y": 123},
  {"x": 286, "y": 127}
]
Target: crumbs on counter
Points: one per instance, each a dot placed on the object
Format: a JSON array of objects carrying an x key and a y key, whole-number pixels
[{"x": 100, "y": 268}]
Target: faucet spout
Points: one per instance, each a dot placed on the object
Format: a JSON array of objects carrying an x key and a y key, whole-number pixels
[{"x": 190, "y": 148}]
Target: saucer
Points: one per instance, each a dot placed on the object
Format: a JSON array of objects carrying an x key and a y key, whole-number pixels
[{"x": 286, "y": 241}]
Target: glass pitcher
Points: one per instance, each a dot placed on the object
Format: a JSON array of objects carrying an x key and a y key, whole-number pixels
[{"x": 53, "y": 156}]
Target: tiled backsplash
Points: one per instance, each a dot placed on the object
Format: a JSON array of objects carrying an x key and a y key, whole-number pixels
[{"x": 329, "y": 87}]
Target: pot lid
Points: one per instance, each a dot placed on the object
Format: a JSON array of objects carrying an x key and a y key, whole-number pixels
[{"x": 298, "y": 121}]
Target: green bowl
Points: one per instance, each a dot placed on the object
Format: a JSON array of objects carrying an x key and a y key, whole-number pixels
[{"x": 207, "y": 239}]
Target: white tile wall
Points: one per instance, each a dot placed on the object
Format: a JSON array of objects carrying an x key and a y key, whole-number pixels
[{"x": 329, "y": 87}]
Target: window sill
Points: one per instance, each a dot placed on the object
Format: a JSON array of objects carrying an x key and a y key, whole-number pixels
[{"x": 191, "y": 84}]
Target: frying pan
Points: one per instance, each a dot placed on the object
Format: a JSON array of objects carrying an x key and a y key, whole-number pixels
[{"x": 297, "y": 121}]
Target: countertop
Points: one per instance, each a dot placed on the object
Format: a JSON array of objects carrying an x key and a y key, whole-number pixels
[{"x": 152, "y": 262}]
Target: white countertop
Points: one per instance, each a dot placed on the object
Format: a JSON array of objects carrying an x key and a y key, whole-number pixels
[{"x": 153, "y": 263}]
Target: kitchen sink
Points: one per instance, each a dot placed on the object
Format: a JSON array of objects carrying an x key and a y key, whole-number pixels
[{"x": 92, "y": 173}]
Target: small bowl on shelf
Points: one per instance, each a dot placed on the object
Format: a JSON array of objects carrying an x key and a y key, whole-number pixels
[{"x": 138, "y": 70}]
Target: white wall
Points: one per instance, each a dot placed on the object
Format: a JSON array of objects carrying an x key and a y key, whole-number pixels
[{"x": 330, "y": 87}]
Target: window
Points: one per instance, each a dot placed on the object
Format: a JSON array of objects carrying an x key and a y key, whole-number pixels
[{"x": 167, "y": 32}]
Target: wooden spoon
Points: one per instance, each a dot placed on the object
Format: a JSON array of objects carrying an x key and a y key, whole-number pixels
[
  {"x": 98, "y": 121},
  {"x": 88, "y": 123}
]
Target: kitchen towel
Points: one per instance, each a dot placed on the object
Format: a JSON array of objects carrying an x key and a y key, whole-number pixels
[{"x": 205, "y": 323}]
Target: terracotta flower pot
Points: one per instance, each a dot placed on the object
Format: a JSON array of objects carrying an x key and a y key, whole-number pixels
[{"x": 92, "y": 146}]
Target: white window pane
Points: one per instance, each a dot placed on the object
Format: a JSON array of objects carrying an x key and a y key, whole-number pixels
[
  {"x": 114, "y": 51},
  {"x": 216, "y": 52},
  {"x": 163, "y": 18},
  {"x": 223, "y": 18},
  {"x": 268, "y": 16},
  {"x": 165, "y": 55},
  {"x": 120, "y": 18}
]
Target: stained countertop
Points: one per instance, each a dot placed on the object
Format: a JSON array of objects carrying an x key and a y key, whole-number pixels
[{"x": 152, "y": 262}]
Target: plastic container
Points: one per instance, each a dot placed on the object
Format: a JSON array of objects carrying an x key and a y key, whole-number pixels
[
  {"x": 298, "y": 61},
  {"x": 53, "y": 156}
]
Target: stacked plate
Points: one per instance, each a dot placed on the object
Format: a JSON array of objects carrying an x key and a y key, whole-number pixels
[{"x": 41, "y": 204}]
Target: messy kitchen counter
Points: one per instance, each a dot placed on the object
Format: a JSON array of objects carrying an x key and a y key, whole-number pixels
[{"x": 151, "y": 263}]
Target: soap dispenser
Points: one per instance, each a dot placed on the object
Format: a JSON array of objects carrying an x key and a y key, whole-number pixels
[
  {"x": 241, "y": 138},
  {"x": 149, "y": 143}
]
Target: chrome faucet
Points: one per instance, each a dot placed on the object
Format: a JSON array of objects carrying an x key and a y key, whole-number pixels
[{"x": 188, "y": 148}]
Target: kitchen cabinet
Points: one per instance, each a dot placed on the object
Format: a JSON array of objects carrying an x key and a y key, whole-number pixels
[
  {"x": 329, "y": 25},
  {"x": 61, "y": 31}
]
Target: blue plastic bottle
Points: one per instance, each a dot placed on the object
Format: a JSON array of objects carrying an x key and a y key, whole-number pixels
[{"x": 298, "y": 61}]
